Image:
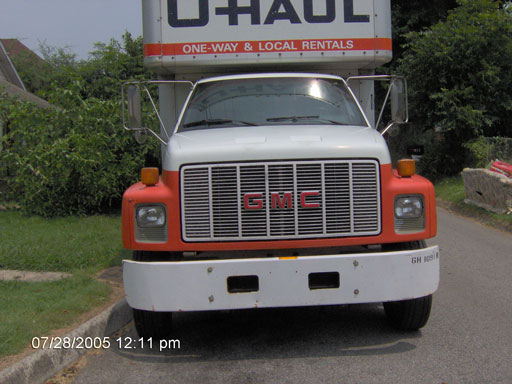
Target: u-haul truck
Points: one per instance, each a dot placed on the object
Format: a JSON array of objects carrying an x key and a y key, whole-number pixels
[{"x": 277, "y": 187}]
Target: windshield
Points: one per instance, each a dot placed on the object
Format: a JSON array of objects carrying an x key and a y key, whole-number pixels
[{"x": 271, "y": 101}]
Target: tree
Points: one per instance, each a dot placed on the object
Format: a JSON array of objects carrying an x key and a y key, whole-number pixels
[
  {"x": 415, "y": 16},
  {"x": 460, "y": 76},
  {"x": 108, "y": 66},
  {"x": 75, "y": 158},
  {"x": 112, "y": 64}
]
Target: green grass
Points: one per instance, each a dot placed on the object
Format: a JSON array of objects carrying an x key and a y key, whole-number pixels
[
  {"x": 451, "y": 192},
  {"x": 62, "y": 244},
  {"x": 80, "y": 245},
  {"x": 30, "y": 310}
]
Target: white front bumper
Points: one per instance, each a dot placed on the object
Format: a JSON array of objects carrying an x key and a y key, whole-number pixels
[{"x": 202, "y": 285}]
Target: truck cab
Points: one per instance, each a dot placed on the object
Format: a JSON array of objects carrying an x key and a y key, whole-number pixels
[{"x": 276, "y": 188}]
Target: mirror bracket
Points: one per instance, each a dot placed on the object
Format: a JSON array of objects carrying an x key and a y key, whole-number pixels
[
  {"x": 399, "y": 100},
  {"x": 132, "y": 109}
]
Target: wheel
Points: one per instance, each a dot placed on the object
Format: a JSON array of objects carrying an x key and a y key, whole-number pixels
[
  {"x": 157, "y": 325},
  {"x": 413, "y": 314},
  {"x": 409, "y": 315}
]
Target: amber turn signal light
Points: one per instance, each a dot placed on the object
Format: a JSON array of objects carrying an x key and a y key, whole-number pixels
[
  {"x": 149, "y": 176},
  {"x": 406, "y": 167}
]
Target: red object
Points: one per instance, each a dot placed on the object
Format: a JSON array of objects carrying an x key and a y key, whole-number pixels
[{"x": 502, "y": 168}]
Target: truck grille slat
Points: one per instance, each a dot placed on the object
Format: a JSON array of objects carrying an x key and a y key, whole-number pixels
[{"x": 280, "y": 200}]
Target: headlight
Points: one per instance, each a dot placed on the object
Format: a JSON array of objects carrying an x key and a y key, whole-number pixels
[
  {"x": 410, "y": 207},
  {"x": 151, "y": 216},
  {"x": 409, "y": 214}
]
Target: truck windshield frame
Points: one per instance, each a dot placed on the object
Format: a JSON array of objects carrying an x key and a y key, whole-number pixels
[{"x": 271, "y": 101}]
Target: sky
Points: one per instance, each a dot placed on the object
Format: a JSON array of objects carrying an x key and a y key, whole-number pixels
[{"x": 72, "y": 24}]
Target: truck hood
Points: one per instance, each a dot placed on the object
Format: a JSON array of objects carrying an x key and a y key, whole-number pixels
[{"x": 263, "y": 143}]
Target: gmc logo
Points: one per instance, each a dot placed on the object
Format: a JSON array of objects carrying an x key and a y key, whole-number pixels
[
  {"x": 279, "y": 10},
  {"x": 254, "y": 201}
]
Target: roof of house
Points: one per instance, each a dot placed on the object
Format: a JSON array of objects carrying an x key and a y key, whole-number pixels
[
  {"x": 14, "y": 91},
  {"x": 10, "y": 81},
  {"x": 7, "y": 69},
  {"x": 16, "y": 48}
]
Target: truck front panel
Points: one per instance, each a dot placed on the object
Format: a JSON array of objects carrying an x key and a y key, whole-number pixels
[{"x": 385, "y": 230}]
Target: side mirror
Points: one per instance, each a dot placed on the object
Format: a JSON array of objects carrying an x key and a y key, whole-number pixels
[
  {"x": 141, "y": 136},
  {"x": 131, "y": 93},
  {"x": 399, "y": 107},
  {"x": 134, "y": 107}
]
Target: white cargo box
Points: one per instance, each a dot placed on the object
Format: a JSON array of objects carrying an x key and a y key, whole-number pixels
[{"x": 208, "y": 36}]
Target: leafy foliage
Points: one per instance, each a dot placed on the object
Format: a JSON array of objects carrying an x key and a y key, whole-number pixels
[
  {"x": 487, "y": 149},
  {"x": 460, "y": 76},
  {"x": 75, "y": 158},
  {"x": 408, "y": 16},
  {"x": 415, "y": 16},
  {"x": 108, "y": 66}
]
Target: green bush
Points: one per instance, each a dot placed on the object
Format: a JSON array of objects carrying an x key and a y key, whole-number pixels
[
  {"x": 460, "y": 75},
  {"x": 480, "y": 152},
  {"x": 438, "y": 162},
  {"x": 69, "y": 160},
  {"x": 108, "y": 66},
  {"x": 486, "y": 149},
  {"x": 74, "y": 158}
]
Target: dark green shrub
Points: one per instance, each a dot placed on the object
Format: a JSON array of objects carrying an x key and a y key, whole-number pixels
[
  {"x": 74, "y": 158},
  {"x": 486, "y": 149},
  {"x": 438, "y": 160},
  {"x": 460, "y": 76},
  {"x": 70, "y": 160}
]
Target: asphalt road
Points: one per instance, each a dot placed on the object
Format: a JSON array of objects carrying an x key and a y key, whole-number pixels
[{"x": 467, "y": 340}]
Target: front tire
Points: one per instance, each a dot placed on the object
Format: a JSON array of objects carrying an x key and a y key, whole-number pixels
[
  {"x": 149, "y": 324},
  {"x": 409, "y": 315},
  {"x": 156, "y": 325},
  {"x": 413, "y": 314}
]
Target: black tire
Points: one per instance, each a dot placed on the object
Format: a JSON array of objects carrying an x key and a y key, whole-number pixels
[
  {"x": 156, "y": 325},
  {"x": 408, "y": 315}
]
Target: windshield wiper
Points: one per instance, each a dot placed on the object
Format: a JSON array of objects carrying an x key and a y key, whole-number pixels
[
  {"x": 292, "y": 118},
  {"x": 298, "y": 118},
  {"x": 208, "y": 122}
]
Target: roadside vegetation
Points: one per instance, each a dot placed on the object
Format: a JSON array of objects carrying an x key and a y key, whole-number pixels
[
  {"x": 457, "y": 58},
  {"x": 63, "y": 170},
  {"x": 73, "y": 158},
  {"x": 459, "y": 72},
  {"x": 86, "y": 244},
  {"x": 35, "y": 309},
  {"x": 81, "y": 246}
]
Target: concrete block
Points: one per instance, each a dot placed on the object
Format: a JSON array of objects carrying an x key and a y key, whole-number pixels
[{"x": 488, "y": 190}]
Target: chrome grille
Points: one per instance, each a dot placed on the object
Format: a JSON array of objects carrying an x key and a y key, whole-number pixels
[{"x": 280, "y": 200}]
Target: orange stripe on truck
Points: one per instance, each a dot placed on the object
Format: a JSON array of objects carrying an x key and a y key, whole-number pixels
[{"x": 304, "y": 45}]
